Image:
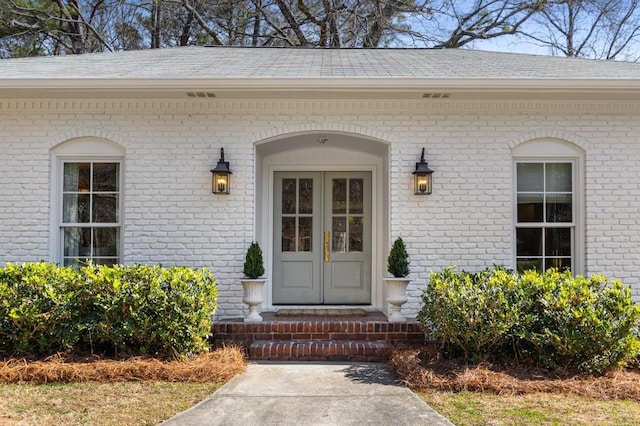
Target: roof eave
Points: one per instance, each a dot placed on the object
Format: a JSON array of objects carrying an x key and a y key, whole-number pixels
[{"x": 323, "y": 83}]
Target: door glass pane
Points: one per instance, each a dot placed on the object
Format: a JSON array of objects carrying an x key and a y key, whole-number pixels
[
  {"x": 558, "y": 242},
  {"x": 355, "y": 233},
  {"x": 355, "y": 196},
  {"x": 339, "y": 234},
  {"x": 106, "y": 241},
  {"x": 305, "y": 233},
  {"x": 339, "y": 196},
  {"x": 559, "y": 208},
  {"x": 105, "y": 177},
  {"x": 529, "y": 241},
  {"x": 76, "y": 177},
  {"x": 530, "y": 207},
  {"x": 75, "y": 208},
  {"x": 288, "y": 196},
  {"x": 306, "y": 196},
  {"x": 105, "y": 208},
  {"x": 288, "y": 234},
  {"x": 530, "y": 177},
  {"x": 558, "y": 177}
]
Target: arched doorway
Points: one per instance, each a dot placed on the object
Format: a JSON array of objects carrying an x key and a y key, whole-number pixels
[{"x": 322, "y": 217}]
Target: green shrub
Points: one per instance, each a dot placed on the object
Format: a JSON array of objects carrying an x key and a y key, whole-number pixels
[
  {"x": 35, "y": 308},
  {"x": 398, "y": 260},
  {"x": 580, "y": 323},
  {"x": 473, "y": 314},
  {"x": 553, "y": 319},
  {"x": 121, "y": 309},
  {"x": 253, "y": 263}
]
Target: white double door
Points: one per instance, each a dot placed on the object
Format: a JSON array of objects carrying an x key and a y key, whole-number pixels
[{"x": 322, "y": 238}]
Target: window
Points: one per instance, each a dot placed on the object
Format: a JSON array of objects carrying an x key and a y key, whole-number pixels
[
  {"x": 90, "y": 227},
  {"x": 545, "y": 215}
]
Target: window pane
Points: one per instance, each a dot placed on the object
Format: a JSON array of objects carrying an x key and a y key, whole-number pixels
[
  {"x": 339, "y": 234},
  {"x": 355, "y": 196},
  {"x": 529, "y": 242},
  {"x": 288, "y": 196},
  {"x": 305, "y": 233},
  {"x": 530, "y": 177},
  {"x": 559, "y": 208},
  {"x": 355, "y": 234},
  {"x": 339, "y": 196},
  {"x": 524, "y": 264},
  {"x": 75, "y": 262},
  {"x": 110, "y": 261},
  {"x": 106, "y": 177},
  {"x": 106, "y": 241},
  {"x": 288, "y": 234},
  {"x": 558, "y": 177},
  {"x": 75, "y": 208},
  {"x": 560, "y": 263},
  {"x": 105, "y": 208},
  {"x": 77, "y": 242},
  {"x": 557, "y": 242},
  {"x": 306, "y": 196},
  {"x": 76, "y": 177},
  {"x": 530, "y": 208}
]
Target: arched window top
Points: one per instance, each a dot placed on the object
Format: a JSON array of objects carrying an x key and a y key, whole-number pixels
[
  {"x": 547, "y": 147},
  {"x": 89, "y": 147}
]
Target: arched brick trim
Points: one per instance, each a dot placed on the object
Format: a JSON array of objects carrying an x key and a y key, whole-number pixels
[
  {"x": 315, "y": 127},
  {"x": 551, "y": 134},
  {"x": 92, "y": 133}
]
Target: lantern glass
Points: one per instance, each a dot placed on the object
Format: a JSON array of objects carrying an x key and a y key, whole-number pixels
[
  {"x": 220, "y": 183},
  {"x": 422, "y": 183}
]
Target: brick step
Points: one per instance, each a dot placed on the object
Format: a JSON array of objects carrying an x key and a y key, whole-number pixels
[
  {"x": 320, "y": 350},
  {"x": 328, "y": 330}
]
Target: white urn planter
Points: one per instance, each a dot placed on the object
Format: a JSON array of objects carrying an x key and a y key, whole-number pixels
[
  {"x": 396, "y": 296},
  {"x": 253, "y": 297}
]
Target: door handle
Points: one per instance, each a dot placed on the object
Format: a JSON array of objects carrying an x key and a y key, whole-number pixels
[{"x": 326, "y": 246}]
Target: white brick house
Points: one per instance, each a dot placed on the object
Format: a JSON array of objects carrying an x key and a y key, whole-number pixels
[{"x": 108, "y": 156}]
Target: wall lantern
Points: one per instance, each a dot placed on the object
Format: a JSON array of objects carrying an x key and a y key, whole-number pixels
[
  {"x": 422, "y": 178},
  {"x": 221, "y": 176}
]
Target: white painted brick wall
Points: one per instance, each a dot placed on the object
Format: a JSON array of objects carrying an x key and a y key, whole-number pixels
[{"x": 171, "y": 217}]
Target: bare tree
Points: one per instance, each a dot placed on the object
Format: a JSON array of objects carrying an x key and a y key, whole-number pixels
[
  {"x": 603, "y": 29},
  {"x": 71, "y": 26},
  {"x": 589, "y": 28}
]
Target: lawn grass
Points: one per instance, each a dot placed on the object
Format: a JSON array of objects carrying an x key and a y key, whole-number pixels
[
  {"x": 477, "y": 408},
  {"x": 93, "y": 403}
]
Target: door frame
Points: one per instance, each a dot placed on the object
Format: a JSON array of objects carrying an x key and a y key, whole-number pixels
[{"x": 374, "y": 160}]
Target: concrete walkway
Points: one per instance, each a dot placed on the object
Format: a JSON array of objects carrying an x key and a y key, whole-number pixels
[{"x": 306, "y": 393}]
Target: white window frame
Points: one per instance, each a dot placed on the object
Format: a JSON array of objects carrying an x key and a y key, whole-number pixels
[
  {"x": 83, "y": 150},
  {"x": 554, "y": 151}
]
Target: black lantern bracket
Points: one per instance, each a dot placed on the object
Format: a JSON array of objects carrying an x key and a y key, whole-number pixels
[
  {"x": 221, "y": 176},
  {"x": 422, "y": 177}
]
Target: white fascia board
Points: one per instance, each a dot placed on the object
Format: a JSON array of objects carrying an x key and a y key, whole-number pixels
[{"x": 323, "y": 83}]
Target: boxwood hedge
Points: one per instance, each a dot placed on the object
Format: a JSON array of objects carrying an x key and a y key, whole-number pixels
[
  {"x": 139, "y": 309},
  {"x": 552, "y": 319}
]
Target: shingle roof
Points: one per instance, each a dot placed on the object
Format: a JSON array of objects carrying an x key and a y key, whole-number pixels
[{"x": 266, "y": 63}]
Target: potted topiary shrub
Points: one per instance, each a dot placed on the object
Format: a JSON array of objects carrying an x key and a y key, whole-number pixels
[
  {"x": 252, "y": 283},
  {"x": 398, "y": 267}
]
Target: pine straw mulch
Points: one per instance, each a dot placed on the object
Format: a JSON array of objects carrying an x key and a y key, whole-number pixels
[
  {"x": 420, "y": 369},
  {"x": 217, "y": 366}
]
